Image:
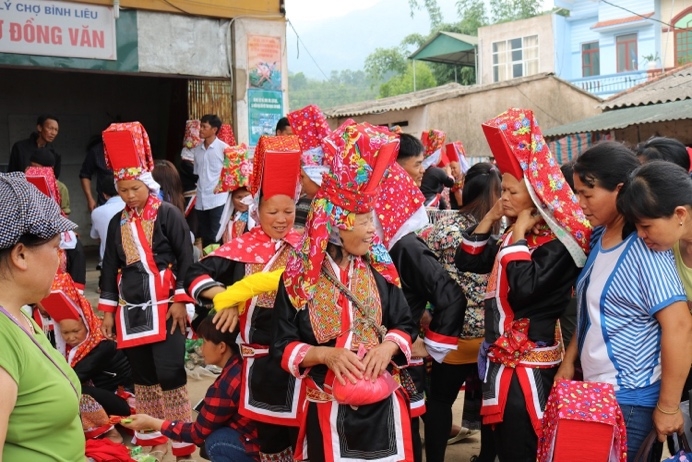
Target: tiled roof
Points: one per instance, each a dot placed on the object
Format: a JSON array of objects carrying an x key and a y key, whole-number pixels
[
  {"x": 673, "y": 85},
  {"x": 615, "y": 22}
]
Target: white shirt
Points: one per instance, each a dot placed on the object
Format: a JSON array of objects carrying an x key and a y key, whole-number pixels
[
  {"x": 208, "y": 166},
  {"x": 100, "y": 217}
]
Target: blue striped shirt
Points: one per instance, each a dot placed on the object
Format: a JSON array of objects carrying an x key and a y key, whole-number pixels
[{"x": 619, "y": 292}]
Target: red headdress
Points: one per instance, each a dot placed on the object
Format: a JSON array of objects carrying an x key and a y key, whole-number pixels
[
  {"x": 276, "y": 166},
  {"x": 433, "y": 141},
  {"x": 44, "y": 179},
  {"x": 400, "y": 208},
  {"x": 65, "y": 302},
  {"x": 455, "y": 153},
  {"x": 127, "y": 149},
  {"x": 520, "y": 150},
  {"x": 275, "y": 171},
  {"x": 311, "y": 127},
  {"x": 358, "y": 156}
]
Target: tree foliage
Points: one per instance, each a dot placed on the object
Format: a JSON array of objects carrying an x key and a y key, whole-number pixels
[
  {"x": 343, "y": 87},
  {"x": 511, "y": 10},
  {"x": 383, "y": 62},
  {"x": 403, "y": 83},
  {"x": 431, "y": 7}
]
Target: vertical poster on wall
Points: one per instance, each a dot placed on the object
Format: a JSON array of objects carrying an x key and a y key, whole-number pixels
[
  {"x": 265, "y": 110},
  {"x": 264, "y": 62},
  {"x": 265, "y": 98}
]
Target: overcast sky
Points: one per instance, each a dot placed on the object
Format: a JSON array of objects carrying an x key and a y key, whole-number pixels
[{"x": 340, "y": 35}]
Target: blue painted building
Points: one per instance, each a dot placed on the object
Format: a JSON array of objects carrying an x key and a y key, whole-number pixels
[{"x": 603, "y": 47}]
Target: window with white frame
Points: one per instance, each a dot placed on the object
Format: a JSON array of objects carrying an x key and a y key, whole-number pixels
[{"x": 515, "y": 58}]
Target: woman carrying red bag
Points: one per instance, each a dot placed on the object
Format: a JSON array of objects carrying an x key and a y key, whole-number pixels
[{"x": 340, "y": 298}]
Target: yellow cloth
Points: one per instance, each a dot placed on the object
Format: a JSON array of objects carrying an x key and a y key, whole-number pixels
[
  {"x": 248, "y": 287},
  {"x": 466, "y": 352},
  {"x": 684, "y": 272}
]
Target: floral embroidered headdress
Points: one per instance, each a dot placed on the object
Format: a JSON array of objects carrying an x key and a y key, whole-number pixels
[
  {"x": 310, "y": 126},
  {"x": 358, "y": 156},
  {"x": 520, "y": 150}
]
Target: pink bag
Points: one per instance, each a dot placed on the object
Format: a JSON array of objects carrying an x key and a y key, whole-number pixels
[{"x": 364, "y": 391}]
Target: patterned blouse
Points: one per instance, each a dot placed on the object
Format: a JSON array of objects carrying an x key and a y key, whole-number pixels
[{"x": 444, "y": 238}]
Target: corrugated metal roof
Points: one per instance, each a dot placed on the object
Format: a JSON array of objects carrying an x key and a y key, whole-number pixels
[
  {"x": 674, "y": 85},
  {"x": 621, "y": 118},
  {"x": 431, "y": 95},
  {"x": 397, "y": 103}
]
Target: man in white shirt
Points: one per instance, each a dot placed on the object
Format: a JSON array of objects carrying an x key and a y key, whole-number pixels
[
  {"x": 208, "y": 164},
  {"x": 102, "y": 215}
]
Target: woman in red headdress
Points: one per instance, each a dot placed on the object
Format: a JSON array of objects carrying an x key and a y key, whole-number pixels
[
  {"x": 148, "y": 252},
  {"x": 532, "y": 270},
  {"x": 268, "y": 395},
  {"x": 341, "y": 318}
]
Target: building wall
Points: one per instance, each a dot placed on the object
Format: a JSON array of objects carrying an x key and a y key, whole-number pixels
[
  {"x": 584, "y": 14},
  {"x": 561, "y": 40},
  {"x": 669, "y": 10},
  {"x": 241, "y": 28},
  {"x": 608, "y": 12},
  {"x": 415, "y": 118},
  {"x": 194, "y": 46},
  {"x": 581, "y": 33},
  {"x": 539, "y": 25},
  {"x": 85, "y": 105},
  {"x": 212, "y": 8},
  {"x": 553, "y": 101},
  {"x": 678, "y": 129}
]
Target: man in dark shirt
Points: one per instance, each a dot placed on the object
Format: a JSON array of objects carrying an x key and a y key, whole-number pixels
[
  {"x": 46, "y": 130},
  {"x": 94, "y": 164}
]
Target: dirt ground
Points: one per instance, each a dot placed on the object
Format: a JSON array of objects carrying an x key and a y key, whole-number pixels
[{"x": 459, "y": 452}]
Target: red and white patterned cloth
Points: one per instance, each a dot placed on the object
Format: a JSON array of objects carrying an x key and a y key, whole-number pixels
[{"x": 579, "y": 412}]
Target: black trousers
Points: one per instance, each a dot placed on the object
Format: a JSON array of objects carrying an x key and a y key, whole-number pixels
[
  {"x": 208, "y": 224},
  {"x": 515, "y": 438},
  {"x": 445, "y": 382},
  {"x": 161, "y": 363},
  {"x": 275, "y": 438},
  {"x": 112, "y": 403}
]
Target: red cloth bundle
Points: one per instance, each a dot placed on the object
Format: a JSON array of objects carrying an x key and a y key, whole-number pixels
[
  {"x": 579, "y": 412},
  {"x": 226, "y": 135},
  {"x": 236, "y": 169}
]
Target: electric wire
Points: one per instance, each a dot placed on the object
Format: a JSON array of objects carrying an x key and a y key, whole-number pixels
[{"x": 300, "y": 41}]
